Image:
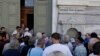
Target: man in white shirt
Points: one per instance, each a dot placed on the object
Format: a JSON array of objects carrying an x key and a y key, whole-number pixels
[
  {"x": 57, "y": 46},
  {"x": 26, "y": 33},
  {"x": 17, "y": 31}
]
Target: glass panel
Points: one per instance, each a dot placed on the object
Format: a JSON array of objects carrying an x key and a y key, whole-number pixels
[{"x": 29, "y": 2}]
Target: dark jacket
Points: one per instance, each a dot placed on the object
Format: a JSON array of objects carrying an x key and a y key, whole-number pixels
[{"x": 12, "y": 52}]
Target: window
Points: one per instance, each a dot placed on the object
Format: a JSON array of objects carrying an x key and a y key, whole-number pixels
[{"x": 29, "y": 2}]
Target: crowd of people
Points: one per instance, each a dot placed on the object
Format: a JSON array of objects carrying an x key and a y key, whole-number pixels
[{"x": 22, "y": 42}]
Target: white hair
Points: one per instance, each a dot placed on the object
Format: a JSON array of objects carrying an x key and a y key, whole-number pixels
[
  {"x": 14, "y": 43},
  {"x": 39, "y": 35},
  {"x": 26, "y": 29},
  {"x": 66, "y": 37}
]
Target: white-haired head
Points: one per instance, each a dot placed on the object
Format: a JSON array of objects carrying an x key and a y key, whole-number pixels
[
  {"x": 26, "y": 29},
  {"x": 14, "y": 43},
  {"x": 66, "y": 38},
  {"x": 39, "y": 35}
]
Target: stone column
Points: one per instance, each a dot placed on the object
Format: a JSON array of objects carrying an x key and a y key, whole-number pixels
[{"x": 42, "y": 16}]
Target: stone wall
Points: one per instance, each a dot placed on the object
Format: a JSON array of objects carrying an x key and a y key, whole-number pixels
[
  {"x": 42, "y": 16},
  {"x": 10, "y": 14},
  {"x": 83, "y": 18},
  {"x": 83, "y": 15}
]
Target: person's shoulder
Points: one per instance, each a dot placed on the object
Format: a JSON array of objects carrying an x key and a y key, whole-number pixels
[
  {"x": 14, "y": 32},
  {"x": 7, "y": 45},
  {"x": 37, "y": 48},
  {"x": 58, "y": 45},
  {"x": 55, "y": 46},
  {"x": 49, "y": 48},
  {"x": 64, "y": 46},
  {"x": 92, "y": 54},
  {"x": 33, "y": 49},
  {"x": 81, "y": 48}
]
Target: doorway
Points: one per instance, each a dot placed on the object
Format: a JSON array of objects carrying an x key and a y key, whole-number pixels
[
  {"x": 27, "y": 14},
  {"x": 30, "y": 21}
]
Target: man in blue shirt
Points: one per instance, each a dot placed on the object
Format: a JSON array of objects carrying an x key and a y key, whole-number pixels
[
  {"x": 80, "y": 50},
  {"x": 38, "y": 50}
]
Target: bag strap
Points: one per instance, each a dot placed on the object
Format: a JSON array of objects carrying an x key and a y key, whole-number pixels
[{"x": 30, "y": 51}]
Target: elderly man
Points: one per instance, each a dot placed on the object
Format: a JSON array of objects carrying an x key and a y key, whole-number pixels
[
  {"x": 68, "y": 43},
  {"x": 38, "y": 50},
  {"x": 27, "y": 33},
  {"x": 57, "y": 46}
]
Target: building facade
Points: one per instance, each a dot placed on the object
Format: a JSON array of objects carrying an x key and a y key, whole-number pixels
[
  {"x": 54, "y": 15},
  {"x": 83, "y": 15},
  {"x": 9, "y": 14},
  {"x": 13, "y": 13}
]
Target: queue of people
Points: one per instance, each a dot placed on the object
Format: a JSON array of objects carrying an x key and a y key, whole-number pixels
[{"x": 24, "y": 43}]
